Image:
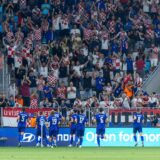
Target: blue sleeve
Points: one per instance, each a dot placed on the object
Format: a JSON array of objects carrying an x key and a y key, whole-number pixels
[
  {"x": 48, "y": 119},
  {"x": 37, "y": 119},
  {"x": 27, "y": 116},
  {"x": 86, "y": 120},
  {"x": 105, "y": 116},
  {"x": 142, "y": 117}
]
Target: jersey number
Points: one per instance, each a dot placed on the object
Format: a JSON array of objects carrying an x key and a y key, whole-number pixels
[
  {"x": 101, "y": 120},
  {"x": 23, "y": 118},
  {"x": 81, "y": 120},
  {"x": 138, "y": 119},
  {"x": 54, "y": 121}
]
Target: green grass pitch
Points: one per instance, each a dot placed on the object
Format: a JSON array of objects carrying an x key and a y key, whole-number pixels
[{"x": 86, "y": 153}]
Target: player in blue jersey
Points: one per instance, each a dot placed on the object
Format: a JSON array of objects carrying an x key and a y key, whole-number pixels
[
  {"x": 73, "y": 126},
  {"x": 41, "y": 129},
  {"x": 53, "y": 128},
  {"x": 137, "y": 126},
  {"x": 22, "y": 121},
  {"x": 81, "y": 121},
  {"x": 101, "y": 120}
]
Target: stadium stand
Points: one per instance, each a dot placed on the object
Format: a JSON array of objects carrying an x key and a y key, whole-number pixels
[{"x": 67, "y": 53}]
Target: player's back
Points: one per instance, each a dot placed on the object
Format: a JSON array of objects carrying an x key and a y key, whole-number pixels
[
  {"x": 53, "y": 122},
  {"x": 73, "y": 120},
  {"x": 101, "y": 120},
  {"x": 41, "y": 121},
  {"x": 81, "y": 120},
  {"x": 138, "y": 119},
  {"x": 23, "y": 116},
  {"x": 58, "y": 115}
]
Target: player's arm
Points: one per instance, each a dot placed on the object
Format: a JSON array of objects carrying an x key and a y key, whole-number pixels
[
  {"x": 47, "y": 124},
  {"x": 18, "y": 118},
  {"x": 94, "y": 120},
  {"x": 107, "y": 120},
  {"x": 134, "y": 117},
  {"x": 36, "y": 126},
  {"x": 62, "y": 119}
]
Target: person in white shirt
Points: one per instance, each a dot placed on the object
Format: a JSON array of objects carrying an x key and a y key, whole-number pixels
[
  {"x": 134, "y": 102},
  {"x": 56, "y": 25},
  {"x": 105, "y": 45},
  {"x": 64, "y": 26},
  {"x": 43, "y": 70},
  {"x": 71, "y": 93},
  {"x": 153, "y": 100},
  {"x": 77, "y": 68},
  {"x": 75, "y": 31},
  {"x": 125, "y": 103}
]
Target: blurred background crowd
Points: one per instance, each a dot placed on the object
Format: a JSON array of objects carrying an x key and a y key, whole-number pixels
[{"x": 75, "y": 53}]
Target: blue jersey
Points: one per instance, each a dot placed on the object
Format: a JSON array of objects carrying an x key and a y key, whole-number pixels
[
  {"x": 81, "y": 120},
  {"x": 53, "y": 122},
  {"x": 58, "y": 115},
  {"x": 101, "y": 120},
  {"x": 41, "y": 120},
  {"x": 73, "y": 123},
  {"x": 23, "y": 116},
  {"x": 138, "y": 119}
]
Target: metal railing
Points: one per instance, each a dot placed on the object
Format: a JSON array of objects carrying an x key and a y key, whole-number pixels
[{"x": 117, "y": 117}]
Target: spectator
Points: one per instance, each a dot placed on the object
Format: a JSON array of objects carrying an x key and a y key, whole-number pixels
[
  {"x": 45, "y": 103},
  {"x": 33, "y": 120},
  {"x": 11, "y": 102},
  {"x": 99, "y": 83},
  {"x": 47, "y": 91},
  {"x": 19, "y": 101},
  {"x": 129, "y": 63},
  {"x": 3, "y": 101},
  {"x": 125, "y": 102},
  {"x": 25, "y": 91},
  {"x": 61, "y": 92},
  {"x": 140, "y": 66},
  {"x": 153, "y": 101},
  {"x": 32, "y": 78},
  {"x": 71, "y": 93},
  {"x": 87, "y": 85},
  {"x": 34, "y": 101}
]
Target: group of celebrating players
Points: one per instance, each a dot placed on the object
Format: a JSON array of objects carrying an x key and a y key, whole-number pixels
[{"x": 78, "y": 121}]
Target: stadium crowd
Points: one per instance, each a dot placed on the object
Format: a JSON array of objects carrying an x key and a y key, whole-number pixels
[{"x": 80, "y": 52}]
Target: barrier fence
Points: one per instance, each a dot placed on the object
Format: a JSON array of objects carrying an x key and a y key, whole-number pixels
[
  {"x": 114, "y": 137},
  {"x": 117, "y": 117}
]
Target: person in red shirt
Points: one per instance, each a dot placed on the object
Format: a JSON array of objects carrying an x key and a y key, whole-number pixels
[{"x": 140, "y": 64}]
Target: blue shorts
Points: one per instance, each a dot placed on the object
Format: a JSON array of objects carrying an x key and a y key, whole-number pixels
[
  {"x": 21, "y": 129},
  {"x": 53, "y": 132},
  {"x": 137, "y": 129},
  {"x": 80, "y": 133},
  {"x": 72, "y": 131},
  {"x": 39, "y": 132},
  {"x": 100, "y": 131}
]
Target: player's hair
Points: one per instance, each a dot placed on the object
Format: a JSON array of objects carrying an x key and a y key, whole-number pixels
[
  {"x": 55, "y": 109},
  {"x": 23, "y": 109},
  {"x": 52, "y": 112},
  {"x": 81, "y": 111},
  {"x": 101, "y": 110},
  {"x": 138, "y": 110},
  {"x": 75, "y": 111}
]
